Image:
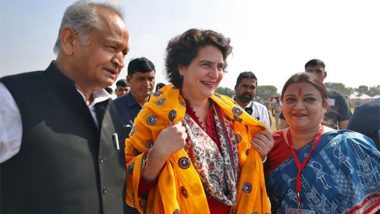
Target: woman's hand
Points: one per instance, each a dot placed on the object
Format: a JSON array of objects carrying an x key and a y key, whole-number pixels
[
  {"x": 170, "y": 140},
  {"x": 263, "y": 142}
]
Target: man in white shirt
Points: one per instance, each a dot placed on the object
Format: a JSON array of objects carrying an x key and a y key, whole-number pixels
[{"x": 245, "y": 91}]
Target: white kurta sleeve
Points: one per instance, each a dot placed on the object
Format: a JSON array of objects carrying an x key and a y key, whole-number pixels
[{"x": 10, "y": 125}]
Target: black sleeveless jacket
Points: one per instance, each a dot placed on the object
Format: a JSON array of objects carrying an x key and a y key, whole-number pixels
[{"x": 66, "y": 164}]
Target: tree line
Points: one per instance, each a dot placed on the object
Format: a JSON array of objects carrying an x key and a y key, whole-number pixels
[{"x": 264, "y": 92}]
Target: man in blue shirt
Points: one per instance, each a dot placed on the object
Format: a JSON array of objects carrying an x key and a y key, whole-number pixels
[{"x": 141, "y": 76}]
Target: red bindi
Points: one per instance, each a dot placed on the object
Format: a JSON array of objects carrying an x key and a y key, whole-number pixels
[{"x": 299, "y": 92}]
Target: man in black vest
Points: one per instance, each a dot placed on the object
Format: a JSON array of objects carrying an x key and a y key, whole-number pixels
[{"x": 57, "y": 153}]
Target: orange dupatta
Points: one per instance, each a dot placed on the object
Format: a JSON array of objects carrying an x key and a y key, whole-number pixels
[{"x": 168, "y": 195}]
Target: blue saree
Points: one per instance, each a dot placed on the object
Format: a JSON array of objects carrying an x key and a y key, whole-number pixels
[{"x": 342, "y": 175}]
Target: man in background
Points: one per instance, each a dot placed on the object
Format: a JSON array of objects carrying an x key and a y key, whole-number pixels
[
  {"x": 338, "y": 113},
  {"x": 276, "y": 111},
  {"x": 366, "y": 120},
  {"x": 141, "y": 76},
  {"x": 245, "y": 91},
  {"x": 122, "y": 87},
  {"x": 140, "y": 79}
]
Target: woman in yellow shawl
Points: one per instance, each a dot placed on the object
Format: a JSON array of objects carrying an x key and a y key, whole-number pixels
[{"x": 190, "y": 150}]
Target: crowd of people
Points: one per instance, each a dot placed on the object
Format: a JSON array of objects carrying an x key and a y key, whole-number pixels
[{"x": 67, "y": 147}]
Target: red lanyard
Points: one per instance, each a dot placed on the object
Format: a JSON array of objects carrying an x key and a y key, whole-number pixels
[{"x": 301, "y": 166}]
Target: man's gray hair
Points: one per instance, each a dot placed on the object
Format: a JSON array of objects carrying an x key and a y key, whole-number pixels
[{"x": 82, "y": 17}]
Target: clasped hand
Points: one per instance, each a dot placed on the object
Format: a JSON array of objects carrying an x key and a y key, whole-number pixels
[{"x": 263, "y": 142}]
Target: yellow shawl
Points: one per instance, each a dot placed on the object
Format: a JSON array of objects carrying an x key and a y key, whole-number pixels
[{"x": 180, "y": 190}]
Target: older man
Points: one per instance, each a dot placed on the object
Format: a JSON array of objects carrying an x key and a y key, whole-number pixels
[{"x": 56, "y": 149}]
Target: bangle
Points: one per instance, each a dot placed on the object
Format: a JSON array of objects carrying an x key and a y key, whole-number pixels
[{"x": 143, "y": 165}]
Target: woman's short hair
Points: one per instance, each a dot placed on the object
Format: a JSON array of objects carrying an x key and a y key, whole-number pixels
[{"x": 182, "y": 49}]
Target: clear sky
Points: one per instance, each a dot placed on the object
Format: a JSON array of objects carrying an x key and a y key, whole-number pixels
[{"x": 272, "y": 38}]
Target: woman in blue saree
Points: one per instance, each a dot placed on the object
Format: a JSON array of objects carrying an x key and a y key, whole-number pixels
[{"x": 315, "y": 169}]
